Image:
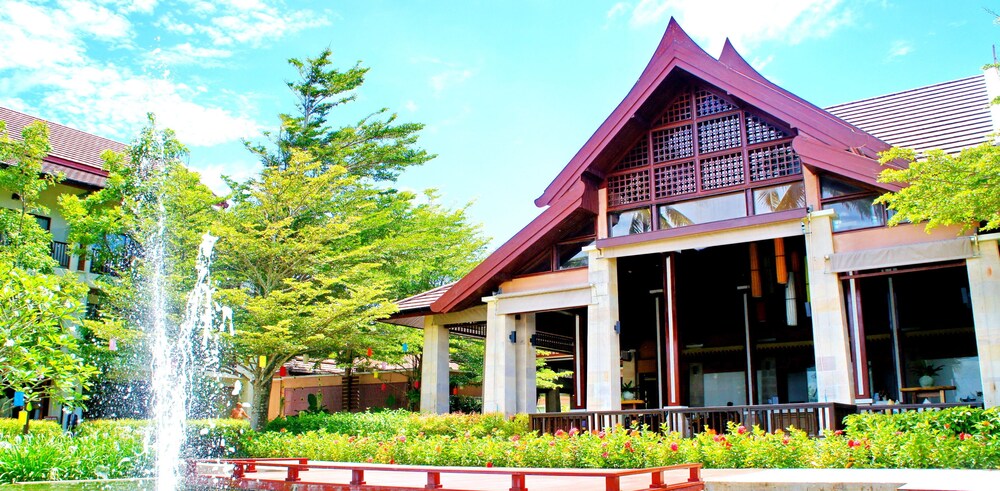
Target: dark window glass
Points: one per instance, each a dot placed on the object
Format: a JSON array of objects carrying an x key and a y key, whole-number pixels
[
  {"x": 630, "y": 222},
  {"x": 856, "y": 213},
  {"x": 571, "y": 255},
  {"x": 540, "y": 264},
  {"x": 584, "y": 230},
  {"x": 702, "y": 210},
  {"x": 44, "y": 222},
  {"x": 782, "y": 197},
  {"x": 831, "y": 188}
]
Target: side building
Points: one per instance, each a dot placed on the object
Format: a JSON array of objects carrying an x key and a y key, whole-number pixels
[
  {"x": 77, "y": 156},
  {"x": 715, "y": 243}
]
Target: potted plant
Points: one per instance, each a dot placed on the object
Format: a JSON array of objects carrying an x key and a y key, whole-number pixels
[
  {"x": 628, "y": 390},
  {"x": 926, "y": 372}
]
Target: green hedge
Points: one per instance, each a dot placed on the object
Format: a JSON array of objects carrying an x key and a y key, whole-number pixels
[
  {"x": 403, "y": 423},
  {"x": 10, "y": 427}
]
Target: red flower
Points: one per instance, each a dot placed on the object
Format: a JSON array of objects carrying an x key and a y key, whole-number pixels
[
  {"x": 573, "y": 431},
  {"x": 515, "y": 438},
  {"x": 838, "y": 432},
  {"x": 601, "y": 434},
  {"x": 628, "y": 446},
  {"x": 604, "y": 455},
  {"x": 964, "y": 436},
  {"x": 552, "y": 443},
  {"x": 673, "y": 446},
  {"x": 402, "y": 439},
  {"x": 719, "y": 438},
  {"x": 741, "y": 430},
  {"x": 785, "y": 440},
  {"x": 852, "y": 443},
  {"x": 946, "y": 426},
  {"x": 489, "y": 464},
  {"x": 392, "y": 461},
  {"x": 350, "y": 439},
  {"x": 560, "y": 433}
]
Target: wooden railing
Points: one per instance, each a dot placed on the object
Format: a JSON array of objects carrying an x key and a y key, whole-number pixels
[{"x": 813, "y": 418}]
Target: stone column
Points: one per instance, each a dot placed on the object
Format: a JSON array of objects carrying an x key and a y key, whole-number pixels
[
  {"x": 834, "y": 372},
  {"x": 603, "y": 356},
  {"x": 984, "y": 290},
  {"x": 434, "y": 373},
  {"x": 527, "y": 399},
  {"x": 499, "y": 377}
]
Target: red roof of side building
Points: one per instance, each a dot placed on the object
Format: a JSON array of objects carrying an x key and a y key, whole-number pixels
[
  {"x": 74, "y": 153},
  {"x": 949, "y": 116},
  {"x": 421, "y": 302}
]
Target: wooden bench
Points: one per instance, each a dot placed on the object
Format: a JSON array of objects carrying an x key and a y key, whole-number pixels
[{"x": 293, "y": 467}]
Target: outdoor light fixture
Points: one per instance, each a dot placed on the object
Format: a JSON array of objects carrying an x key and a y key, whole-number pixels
[
  {"x": 532, "y": 339},
  {"x": 618, "y": 327},
  {"x": 513, "y": 337}
]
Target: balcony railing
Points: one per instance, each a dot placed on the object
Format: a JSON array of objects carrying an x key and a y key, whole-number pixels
[
  {"x": 813, "y": 418},
  {"x": 60, "y": 252}
]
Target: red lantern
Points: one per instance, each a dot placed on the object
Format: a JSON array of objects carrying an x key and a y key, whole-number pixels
[
  {"x": 283, "y": 371},
  {"x": 369, "y": 352},
  {"x": 384, "y": 387},
  {"x": 416, "y": 384},
  {"x": 454, "y": 391}
]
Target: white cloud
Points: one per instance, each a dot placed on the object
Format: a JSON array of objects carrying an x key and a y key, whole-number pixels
[
  {"x": 899, "y": 48},
  {"x": 745, "y": 23},
  {"x": 411, "y": 106},
  {"x": 211, "y": 174},
  {"x": 252, "y": 22},
  {"x": 449, "y": 78},
  {"x": 187, "y": 54}
]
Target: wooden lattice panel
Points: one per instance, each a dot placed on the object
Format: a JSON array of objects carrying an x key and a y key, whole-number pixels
[
  {"x": 760, "y": 131},
  {"x": 632, "y": 187},
  {"x": 722, "y": 171},
  {"x": 773, "y": 161},
  {"x": 707, "y": 103},
  {"x": 679, "y": 110},
  {"x": 674, "y": 179},
  {"x": 719, "y": 134},
  {"x": 673, "y": 143},
  {"x": 638, "y": 156}
]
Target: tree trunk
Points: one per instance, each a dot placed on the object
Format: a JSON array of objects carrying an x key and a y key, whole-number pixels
[{"x": 261, "y": 402}]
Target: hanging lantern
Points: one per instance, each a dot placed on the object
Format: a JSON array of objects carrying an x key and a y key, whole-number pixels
[
  {"x": 384, "y": 387},
  {"x": 406, "y": 347},
  {"x": 416, "y": 384},
  {"x": 780, "y": 268},
  {"x": 454, "y": 391},
  {"x": 283, "y": 371},
  {"x": 22, "y": 417},
  {"x": 375, "y": 373},
  {"x": 756, "y": 289},
  {"x": 369, "y": 352},
  {"x": 18, "y": 399},
  {"x": 262, "y": 361},
  {"x": 113, "y": 344}
]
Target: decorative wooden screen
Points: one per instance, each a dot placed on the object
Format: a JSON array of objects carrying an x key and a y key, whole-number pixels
[
  {"x": 632, "y": 187},
  {"x": 674, "y": 180},
  {"x": 673, "y": 143},
  {"x": 468, "y": 329},
  {"x": 703, "y": 144},
  {"x": 637, "y": 157},
  {"x": 773, "y": 161}
]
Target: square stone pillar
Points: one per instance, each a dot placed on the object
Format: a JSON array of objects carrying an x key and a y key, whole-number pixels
[
  {"x": 434, "y": 373},
  {"x": 499, "y": 375},
  {"x": 527, "y": 394},
  {"x": 834, "y": 371},
  {"x": 984, "y": 290},
  {"x": 604, "y": 390}
]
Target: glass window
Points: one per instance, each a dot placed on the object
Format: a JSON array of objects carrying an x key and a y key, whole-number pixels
[
  {"x": 856, "y": 213},
  {"x": 44, "y": 222},
  {"x": 832, "y": 188},
  {"x": 782, "y": 197},
  {"x": 703, "y": 210},
  {"x": 630, "y": 222},
  {"x": 540, "y": 264},
  {"x": 571, "y": 255}
]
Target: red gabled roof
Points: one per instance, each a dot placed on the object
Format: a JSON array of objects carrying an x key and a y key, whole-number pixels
[
  {"x": 75, "y": 153},
  {"x": 421, "y": 302},
  {"x": 678, "y": 54}
]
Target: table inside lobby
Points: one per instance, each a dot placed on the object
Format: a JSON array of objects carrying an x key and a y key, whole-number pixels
[
  {"x": 918, "y": 393},
  {"x": 633, "y": 404}
]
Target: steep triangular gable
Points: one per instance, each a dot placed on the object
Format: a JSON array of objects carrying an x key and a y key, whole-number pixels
[{"x": 678, "y": 54}]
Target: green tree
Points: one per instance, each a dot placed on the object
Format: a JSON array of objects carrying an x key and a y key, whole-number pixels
[
  {"x": 944, "y": 189},
  {"x": 39, "y": 309},
  {"x": 314, "y": 249}
]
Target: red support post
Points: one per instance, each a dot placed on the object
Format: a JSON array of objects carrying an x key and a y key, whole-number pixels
[
  {"x": 304, "y": 462},
  {"x": 657, "y": 480},
  {"x": 695, "y": 474},
  {"x": 611, "y": 483},
  {"x": 357, "y": 477},
  {"x": 293, "y": 474},
  {"x": 433, "y": 480},
  {"x": 517, "y": 482},
  {"x": 252, "y": 466},
  {"x": 191, "y": 468},
  {"x": 237, "y": 470}
]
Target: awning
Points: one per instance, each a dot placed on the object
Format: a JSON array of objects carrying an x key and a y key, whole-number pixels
[{"x": 889, "y": 257}]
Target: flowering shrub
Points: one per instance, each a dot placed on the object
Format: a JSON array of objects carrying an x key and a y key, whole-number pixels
[{"x": 403, "y": 422}]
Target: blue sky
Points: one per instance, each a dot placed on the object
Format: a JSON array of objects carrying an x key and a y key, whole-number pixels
[{"x": 508, "y": 91}]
